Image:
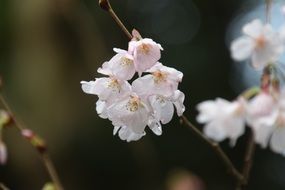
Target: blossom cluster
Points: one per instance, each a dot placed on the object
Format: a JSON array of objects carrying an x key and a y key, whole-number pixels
[
  {"x": 265, "y": 112},
  {"x": 148, "y": 100}
]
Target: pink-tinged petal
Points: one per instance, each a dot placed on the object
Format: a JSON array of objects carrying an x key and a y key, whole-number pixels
[
  {"x": 215, "y": 131},
  {"x": 155, "y": 126},
  {"x": 139, "y": 86},
  {"x": 3, "y": 153},
  {"x": 146, "y": 53},
  {"x": 207, "y": 111},
  {"x": 88, "y": 87},
  {"x": 107, "y": 88},
  {"x": 101, "y": 109},
  {"x": 172, "y": 75},
  {"x": 115, "y": 130},
  {"x": 118, "y": 50},
  {"x": 121, "y": 66},
  {"x": 178, "y": 100},
  {"x": 261, "y": 106},
  {"x": 262, "y": 133},
  {"x": 253, "y": 29},
  {"x": 277, "y": 142},
  {"x": 242, "y": 48},
  {"x": 235, "y": 127},
  {"x": 128, "y": 135},
  {"x": 129, "y": 112},
  {"x": 162, "y": 108},
  {"x": 105, "y": 69}
]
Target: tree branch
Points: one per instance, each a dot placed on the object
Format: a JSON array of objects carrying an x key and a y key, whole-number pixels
[
  {"x": 215, "y": 146},
  {"x": 37, "y": 143}
]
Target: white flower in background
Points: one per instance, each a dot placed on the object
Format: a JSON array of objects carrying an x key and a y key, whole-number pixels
[
  {"x": 260, "y": 43},
  {"x": 162, "y": 81},
  {"x": 121, "y": 66},
  {"x": 223, "y": 119},
  {"x": 266, "y": 116},
  {"x": 3, "y": 153},
  {"x": 145, "y": 51},
  {"x": 261, "y": 115}
]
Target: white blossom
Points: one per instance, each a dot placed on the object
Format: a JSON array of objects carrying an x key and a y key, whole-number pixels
[
  {"x": 106, "y": 88},
  {"x": 266, "y": 116},
  {"x": 150, "y": 100},
  {"x": 260, "y": 43},
  {"x": 121, "y": 66},
  {"x": 162, "y": 81},
  {"x": 223, "y": 119},
  {"x": 131, "y": 112},
  {"x": 146, "y": 53}
]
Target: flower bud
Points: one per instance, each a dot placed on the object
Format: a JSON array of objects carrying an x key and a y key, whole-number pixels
[
  {"x": 35, "y": 140},
  {"x": 5, "y": 118},
  {"x": 3, "y": 153},
  {"x": 105, "y": 5}
]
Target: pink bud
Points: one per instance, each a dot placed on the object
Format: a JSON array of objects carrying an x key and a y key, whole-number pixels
[
  {"x": 3, "y": 153},
  {"x": 27, "y": 133}
]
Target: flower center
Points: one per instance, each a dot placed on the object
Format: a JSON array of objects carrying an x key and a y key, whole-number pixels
[
  {"x": 133, "y": 104},
  {"x": 114, "y": 84},
  {"x": 260, "y": 42},
  {"x": 126, "y": 61},
  {"x": 144, "y": 48},
  {"x": 159, "y": 76}
]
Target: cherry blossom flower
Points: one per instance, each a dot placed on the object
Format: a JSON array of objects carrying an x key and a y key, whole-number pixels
[
  {"x": 106, "y": 88},
  {"x": 266, "y": 116},
  {"x": 162, "y": 81},
  {"x": 121, "y": 66},
  {"x": 260, "y": 43},
  {"x": 145, "y": 51},
  {"x": 130, "y": 112},
  {"x": 261, "y": 115},
  {"x": 163, "y": 107},
  {"x": 223, "y": 119}
]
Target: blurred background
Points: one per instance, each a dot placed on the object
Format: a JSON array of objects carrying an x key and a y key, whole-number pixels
[{"x": 48, "y": 46}]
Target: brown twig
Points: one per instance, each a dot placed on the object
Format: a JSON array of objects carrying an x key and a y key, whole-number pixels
[
  {"x": 41, "y": 150},
  {"x": 215, "y": 146},
  {"x": 247, "y": 161},
  {"x": 105, "y": 5}
]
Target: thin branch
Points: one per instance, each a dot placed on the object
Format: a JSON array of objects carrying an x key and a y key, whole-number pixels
[
  {"x": 247, "y": 161},
  {"x": 268, "y": 4},
  {"x": 105, "y": 5},
  {"x": 41, "y": 150},
  {"x": 215, "y": 146}
]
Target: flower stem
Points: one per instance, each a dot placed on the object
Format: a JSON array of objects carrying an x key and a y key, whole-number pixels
[
  {"x": 248, "y": 94},
  {"x": 247, "y": 161},
  {"x": 215, "y": 146},
  {"x": 105, "y": 5},
  {"x": 268, "y": 4},
  {"x": 43, "y": 152}
]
